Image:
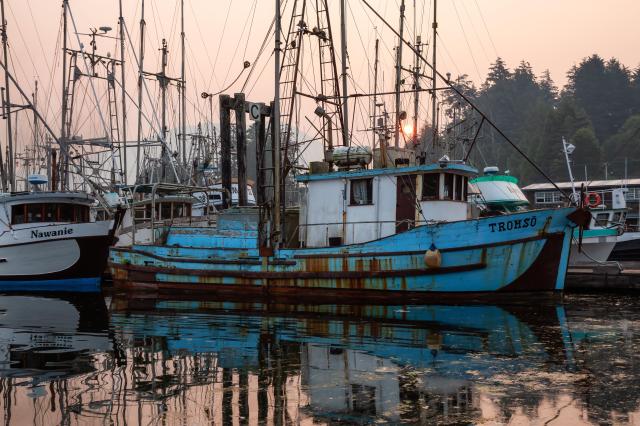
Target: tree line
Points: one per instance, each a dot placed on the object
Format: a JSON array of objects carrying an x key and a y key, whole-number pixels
[{"x": 598, "y": 111}]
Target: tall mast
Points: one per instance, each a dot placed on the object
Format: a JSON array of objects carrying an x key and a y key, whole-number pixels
[
  {"x": 416, "y": 77},
  {"x": 140, "y": 83},
  {"x": 36, "y": 144},
  {"x": 345, "y": 93},
  {"x": 124, "y": 95},
  {"x": 7, "y": 107},
  {"x": 276, "y": 126},
  {"x": 399, "y": 76},
  {"x": 65, "y": 89},
  {"x": 375, "y": 95},
  {"x": 434, "y": 76},
  {"x": 163, "y": 89},
  {"x": 183, "y": 94}
]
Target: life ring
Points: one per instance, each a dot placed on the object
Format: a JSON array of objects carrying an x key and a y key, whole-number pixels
[{"x": 593, "y": 199}]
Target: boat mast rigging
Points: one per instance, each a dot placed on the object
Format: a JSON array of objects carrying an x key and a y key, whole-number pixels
[
  {"x": 140, "y": 84},
  {"x": 396, "y": 134},
  {"x": 6, "y": 100},
  {"x": 123, "y": 95}
]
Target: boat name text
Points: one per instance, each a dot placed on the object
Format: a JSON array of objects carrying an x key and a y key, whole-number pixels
[
  {"x": 54, "y": 233},
  {"x": 510, "y": 225}
]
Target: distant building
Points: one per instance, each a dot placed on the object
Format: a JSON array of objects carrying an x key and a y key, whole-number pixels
[{"x": 544, "y": 195}]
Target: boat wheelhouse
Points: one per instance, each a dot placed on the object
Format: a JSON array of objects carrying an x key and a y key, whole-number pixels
[
  {"x": 154, "y": 207},
  {"x": 355, "y": 206},
  {"x": 51, "y": 241}
]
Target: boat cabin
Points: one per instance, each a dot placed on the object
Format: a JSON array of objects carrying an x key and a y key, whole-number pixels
[
  {"x": 42, "y": 207},
  {"x": 355, "y": 206}
]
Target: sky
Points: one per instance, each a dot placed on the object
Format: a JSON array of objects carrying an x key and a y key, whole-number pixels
[{"x": 221, "y": 34}]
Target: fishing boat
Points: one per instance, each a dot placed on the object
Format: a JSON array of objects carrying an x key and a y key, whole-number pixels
[
  {"x": 49, "y": 241},
  {"x": 363, "y": 246}
]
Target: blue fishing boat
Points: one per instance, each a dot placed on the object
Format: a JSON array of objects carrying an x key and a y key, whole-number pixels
[{"x": 406, "y": 232}]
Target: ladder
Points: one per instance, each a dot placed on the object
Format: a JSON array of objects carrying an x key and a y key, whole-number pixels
[
  {"x": 329, "y": 85},
  {"x": 289, "y": 74},
  {"x": 114, "y": 129},
  {"x": 73, "y": 74}
]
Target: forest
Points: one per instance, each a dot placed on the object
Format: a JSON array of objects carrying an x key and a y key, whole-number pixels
[{"x": 598, "y": 111}]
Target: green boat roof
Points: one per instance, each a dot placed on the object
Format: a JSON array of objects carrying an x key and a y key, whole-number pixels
[{"x": 495, "y": 178}]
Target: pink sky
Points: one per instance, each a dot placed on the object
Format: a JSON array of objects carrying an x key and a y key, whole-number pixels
[{"x": 553, "y": 34}]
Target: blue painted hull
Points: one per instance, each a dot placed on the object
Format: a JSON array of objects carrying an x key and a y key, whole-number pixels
[
  {"x": 527, "y": 251},
  {"x": 80, "y": 285}
]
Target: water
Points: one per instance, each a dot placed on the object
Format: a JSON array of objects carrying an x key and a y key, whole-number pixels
[{"x": 125, "y": 359}]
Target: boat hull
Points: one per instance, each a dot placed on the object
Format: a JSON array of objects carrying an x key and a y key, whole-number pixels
[
  {"x": 57, "y": 264},
  {"x": 597, "y": 246},
  {"x": 627, "y": 248},
  {"x": 477, "y": 257}
]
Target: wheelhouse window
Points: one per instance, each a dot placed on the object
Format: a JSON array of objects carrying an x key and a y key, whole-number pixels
[
  {"x": 431, "y": 186},
  {"x": 48, "y": 212},
  {"x": 361, "y": 192},
  {"x": 447, "y": 189},
  {"x": 461, "y": 188}
]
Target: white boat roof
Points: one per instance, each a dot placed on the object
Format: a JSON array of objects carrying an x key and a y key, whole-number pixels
[
  {"x": 46, "y": 196},
  {"x": 590, "y": 184}
]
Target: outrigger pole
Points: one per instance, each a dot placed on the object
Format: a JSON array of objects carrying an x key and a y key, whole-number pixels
[{"x": 471, "y": 104}]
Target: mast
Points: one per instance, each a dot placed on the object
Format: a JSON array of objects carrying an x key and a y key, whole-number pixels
[
  {"x": 276, "y": 127},
  {"x": 375, "y": 94},
  {"x": 65, "y": 89},
  {"x": 345, "y": 93},
  {"x": 416, "y": 78},
  {"x": 398, "y": 77},
  {"x": 36, "y": 145},
  {"x": 163, "y": 89},
  {"x": 124, "y": 95},
  {"x": 140, "y": 83},
  {"x": 183, "y": 94},
  {"x": 434, "y": 76},
  {"x": 7, "y": 108}
]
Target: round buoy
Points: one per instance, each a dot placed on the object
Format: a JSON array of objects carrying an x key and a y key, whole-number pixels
[{"x": 432, "y": 257}]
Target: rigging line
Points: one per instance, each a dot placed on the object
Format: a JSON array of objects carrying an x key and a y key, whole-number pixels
[
  {"x": 155, "y": 114},
  {"x": 486, "y": 28},
  {"x": 244, "y": 28},
  {"x": 264, "y": 67},
  {"x": 266, "y": 40},
  {"x": 50, "y": 90},
  {"x": 44, "y": 57},
  {"x": 220, "y": 43},
  {"x": 475, "y": 32},
  {"x": 471, "y": 104},
  {"x": 253, "y": 15},
  {"x": 466, "y": 39}
]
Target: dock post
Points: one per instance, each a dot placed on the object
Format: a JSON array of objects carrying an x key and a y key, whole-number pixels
[
  {"x": 241, "y": 147},
  {"x": 225, "y": 149}
]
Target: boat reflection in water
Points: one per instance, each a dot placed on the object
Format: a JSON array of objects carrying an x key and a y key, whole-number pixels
[{"x": 206, "y": 361}]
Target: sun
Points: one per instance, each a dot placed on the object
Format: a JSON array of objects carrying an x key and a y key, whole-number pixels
[{"x": 407, "y": 129}]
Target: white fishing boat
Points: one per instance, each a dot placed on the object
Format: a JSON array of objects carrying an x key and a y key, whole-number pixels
[{"x": 50, "y": 241}]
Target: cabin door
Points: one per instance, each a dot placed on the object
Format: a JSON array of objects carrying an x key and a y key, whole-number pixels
[{"x": 405, "y": 203}]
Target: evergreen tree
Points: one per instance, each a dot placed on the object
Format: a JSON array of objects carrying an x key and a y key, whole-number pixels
[{"x": 603, "y": 90}]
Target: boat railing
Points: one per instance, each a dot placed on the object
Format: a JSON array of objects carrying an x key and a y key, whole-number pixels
[
  {"x": 373, "y": 229},
  {"x": 168, "y": 188}
]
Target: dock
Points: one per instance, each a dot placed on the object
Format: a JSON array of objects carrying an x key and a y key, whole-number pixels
[{"x": 605, "y": 277}]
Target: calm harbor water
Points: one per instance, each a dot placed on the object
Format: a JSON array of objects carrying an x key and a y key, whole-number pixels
[{"x": 130, "y": 360}]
